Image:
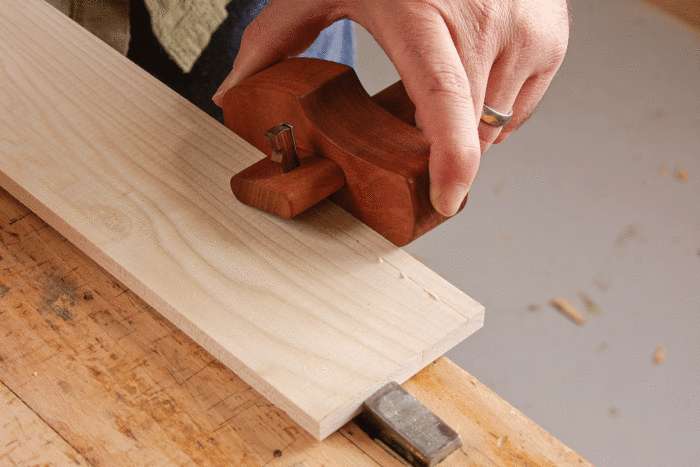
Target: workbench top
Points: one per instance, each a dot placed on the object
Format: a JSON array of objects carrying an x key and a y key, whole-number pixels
[{"x": 91, "y": 375}]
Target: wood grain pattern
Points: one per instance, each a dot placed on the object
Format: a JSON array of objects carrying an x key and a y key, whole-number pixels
[
  {"x": 25, "y": 439},
  {"x": 315, "y": 313},
  {"x": 159, "y": 399},
  {"x": 383, "y": 159}
]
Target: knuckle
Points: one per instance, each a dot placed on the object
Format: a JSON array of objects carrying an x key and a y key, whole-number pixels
[
  {"x": 447, "y": 79},
  {"x": 253, "y": 33}
]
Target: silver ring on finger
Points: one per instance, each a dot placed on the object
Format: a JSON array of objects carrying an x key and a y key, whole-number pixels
[{"x": 494, "y": 117}]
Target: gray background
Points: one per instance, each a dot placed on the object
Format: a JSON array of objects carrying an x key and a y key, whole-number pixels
[{"x": 584, "y": 199}]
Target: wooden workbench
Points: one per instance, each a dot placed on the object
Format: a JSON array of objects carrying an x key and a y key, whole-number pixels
[{"x": 91, "y": 375}]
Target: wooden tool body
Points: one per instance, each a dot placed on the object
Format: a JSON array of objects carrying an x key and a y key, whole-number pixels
[{"x": 362, "y": 151}]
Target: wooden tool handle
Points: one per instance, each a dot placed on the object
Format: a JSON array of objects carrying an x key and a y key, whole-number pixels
[
  {"x": 316, "y": 177},
  {"x": 371, "y": 154},
  {"x": 395, "y": 100}
]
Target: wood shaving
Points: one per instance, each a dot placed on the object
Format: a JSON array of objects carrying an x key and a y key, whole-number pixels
[
  {"x": 600, "y": 284},
  {"x": 432, "y": 294},
  {"x": 566, "y": 307},
  {"x": 659, "y": 355},
  {"x": 682, "y": 175},
  {"x": 591, "y": 307}
]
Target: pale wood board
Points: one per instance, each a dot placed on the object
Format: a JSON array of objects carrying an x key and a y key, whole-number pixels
[
  {"x": 315, "y": 313},
  {"x": 124, "y": 386}
]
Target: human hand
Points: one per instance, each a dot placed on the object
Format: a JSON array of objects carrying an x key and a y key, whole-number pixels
[{"x": 453, "y": 56}]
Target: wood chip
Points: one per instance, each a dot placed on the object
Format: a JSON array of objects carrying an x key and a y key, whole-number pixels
[
  {"x": 682, "y": 175},
  {"x": 591, "y": 307},
  {"x": 600, "y": 284},
  {"x": 566, "y": 307},
  {"x": 659, "y": 355}
]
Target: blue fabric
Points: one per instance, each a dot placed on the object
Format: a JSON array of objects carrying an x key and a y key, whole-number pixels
[{"x": 335, "y": 43}]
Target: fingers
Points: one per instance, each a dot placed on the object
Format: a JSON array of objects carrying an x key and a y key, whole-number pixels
[
  {"x": 283, "y": 28},
  {"x": 523, "y": 73},
  {"x": 452, "y": 57},
  {"x": 422, "y": 50},
  {"x": 525, "y": 104},
  {"x": 503, "y": 87}
]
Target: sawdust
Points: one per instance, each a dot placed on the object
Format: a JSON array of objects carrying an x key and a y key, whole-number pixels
[
  {"x": 663, "y": 169},
  {"x": 682, "y": 175},
  {"x": 659, "y": 355},
  {"x": 600, "y": 284},
  {"x": 625, "y": 236},
  {"x": 591, "y": 307},
  {"x": 432, "y": 294},
  {"x": 534, "y": 307},
  {"x": 623, "y": 239},
  {"x": 614, "y": 412}
]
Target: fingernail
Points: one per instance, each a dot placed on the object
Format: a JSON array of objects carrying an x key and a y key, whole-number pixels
[
  {"x": 450, "y": 199},
  {"x": 225, "y": 86}
]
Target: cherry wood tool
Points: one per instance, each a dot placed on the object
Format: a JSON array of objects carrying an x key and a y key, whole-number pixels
[{"x": 325, "y": 136}]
